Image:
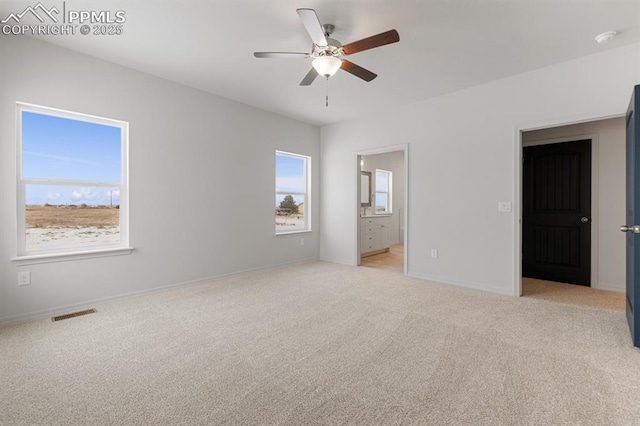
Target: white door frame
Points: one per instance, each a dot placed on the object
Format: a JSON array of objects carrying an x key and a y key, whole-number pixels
[
  {"x": 517, "y": 187},
  {"x": 383, "y": 150}
]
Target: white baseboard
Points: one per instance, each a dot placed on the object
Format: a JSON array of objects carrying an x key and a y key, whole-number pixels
[
  {"x": 45, "y": 313},
  {"x": 461, "y": 283},
  {"x": 338, "y": 261},
  {"x": 436, "y": 279},
  {"x": 610, "y": 287}
]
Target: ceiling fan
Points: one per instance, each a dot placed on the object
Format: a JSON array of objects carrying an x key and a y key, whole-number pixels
[{"x": 328, "y": 54}]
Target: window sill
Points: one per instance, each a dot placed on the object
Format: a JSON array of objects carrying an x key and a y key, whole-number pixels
[{"x": 36, "y": 259}]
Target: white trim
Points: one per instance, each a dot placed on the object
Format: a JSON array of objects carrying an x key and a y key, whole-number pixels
[
  {"x": 459, "y": 283},
  {"x": 70, "y": 253},
  {"x": 62, "y": 182},
  {"x": 302, "y": 231},
  {"x": 374, "y": 151},
  {"x": 405, "y": 239},
  {"x": 517, "y": 187},
  {"x": 345, "y": 262},
  {"x": 78, "y": 116},
  {"x": 383, "y": 150},
  {"x": 607, "y": 287},
  {"x": 101, "y": 301},
  {"x": 517, "y": 213},
  {"x": 21, "y": 202},
  {"x": 358, "y": 210},
  {"x": 595, "y": 201},
  {"x": 76, "y": 255},
  {"x": 307, "y": 195}
]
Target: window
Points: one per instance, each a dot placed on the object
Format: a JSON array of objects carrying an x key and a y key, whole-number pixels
[
  {"x": 383, "y": 192},
  {"x": 292, "y": 193},
  {"x": 72, "y": 182}
]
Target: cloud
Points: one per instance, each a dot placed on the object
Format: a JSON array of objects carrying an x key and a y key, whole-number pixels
[
  {"x": 85, "y": 194},
  {"x": 53, "y": 196}
]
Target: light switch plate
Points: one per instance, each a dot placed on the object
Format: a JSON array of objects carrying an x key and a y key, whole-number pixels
[{"x": 504, "y": 206}]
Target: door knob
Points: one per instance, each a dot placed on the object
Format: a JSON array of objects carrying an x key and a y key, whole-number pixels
[
  {"x": 634, "y": 228},
  {"x": 584, "y": 219}
]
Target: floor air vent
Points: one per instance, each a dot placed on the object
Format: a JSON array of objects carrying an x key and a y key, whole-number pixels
[{"x": 73, "y": 315}]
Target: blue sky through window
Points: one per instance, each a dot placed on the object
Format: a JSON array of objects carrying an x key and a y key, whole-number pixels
[
  {"x": 60, "y": 148},
  {"x": 289, "y": 177}
]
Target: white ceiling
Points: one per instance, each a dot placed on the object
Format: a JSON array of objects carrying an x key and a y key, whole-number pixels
[{"x": 445, "y": 45}]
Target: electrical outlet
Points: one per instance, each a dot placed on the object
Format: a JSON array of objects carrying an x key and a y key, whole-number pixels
[
  {"x": 434, "y": 253},
  {"x": 301, "y": 241},
  {"x": 24, "y": 278}
]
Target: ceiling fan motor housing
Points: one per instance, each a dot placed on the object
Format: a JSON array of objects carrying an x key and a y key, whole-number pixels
[
  {"x": 327, "y": 29},
  {"x": 332, "y": 49}
]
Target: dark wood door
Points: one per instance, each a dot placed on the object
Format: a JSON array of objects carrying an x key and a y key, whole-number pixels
[
  {"x": 556, "y": 220},
  {"x": 633, "y": 216}
]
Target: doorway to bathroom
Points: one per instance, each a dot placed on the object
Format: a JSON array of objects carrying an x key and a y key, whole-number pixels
[{"x": 382, "y": 214}]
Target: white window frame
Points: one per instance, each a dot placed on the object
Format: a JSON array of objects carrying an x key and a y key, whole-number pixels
[
  {"x": 123, "y": 186},
  {"x": 389, "y": 193},
  {"x": 306, "y": 194}
]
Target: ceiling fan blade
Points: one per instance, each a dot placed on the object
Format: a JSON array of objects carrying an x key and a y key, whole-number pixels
[
  {"x": 357, "y": 70},
  {"x": 308, "y": 79},
  {"x": 283, "y": 55},
  {"x": 312, "y": 25},
  {"x": 377, "y": 40}
]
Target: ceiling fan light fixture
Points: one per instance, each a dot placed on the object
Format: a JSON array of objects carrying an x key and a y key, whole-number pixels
[{"x": 326, "y": 66}]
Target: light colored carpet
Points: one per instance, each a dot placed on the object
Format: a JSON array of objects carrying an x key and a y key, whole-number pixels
[{"x": 320, "y": 343}]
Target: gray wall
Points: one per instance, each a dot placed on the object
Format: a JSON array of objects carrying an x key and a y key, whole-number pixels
[
  {"x": 609, "y": 193},
  {"x": 463, "y": 160},
  {"x": 202, "y": 179}
]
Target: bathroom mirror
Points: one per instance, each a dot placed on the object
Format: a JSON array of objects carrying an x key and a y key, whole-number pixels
[{"x": 365, "y": 189}]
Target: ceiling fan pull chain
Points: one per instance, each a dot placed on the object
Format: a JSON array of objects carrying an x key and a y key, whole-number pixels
[{"x": 326, "y": 98}]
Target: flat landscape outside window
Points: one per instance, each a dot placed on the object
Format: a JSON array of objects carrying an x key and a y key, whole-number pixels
[
  {"x": 292, "y": 209},
  {"x": 72, "y": 182}
]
